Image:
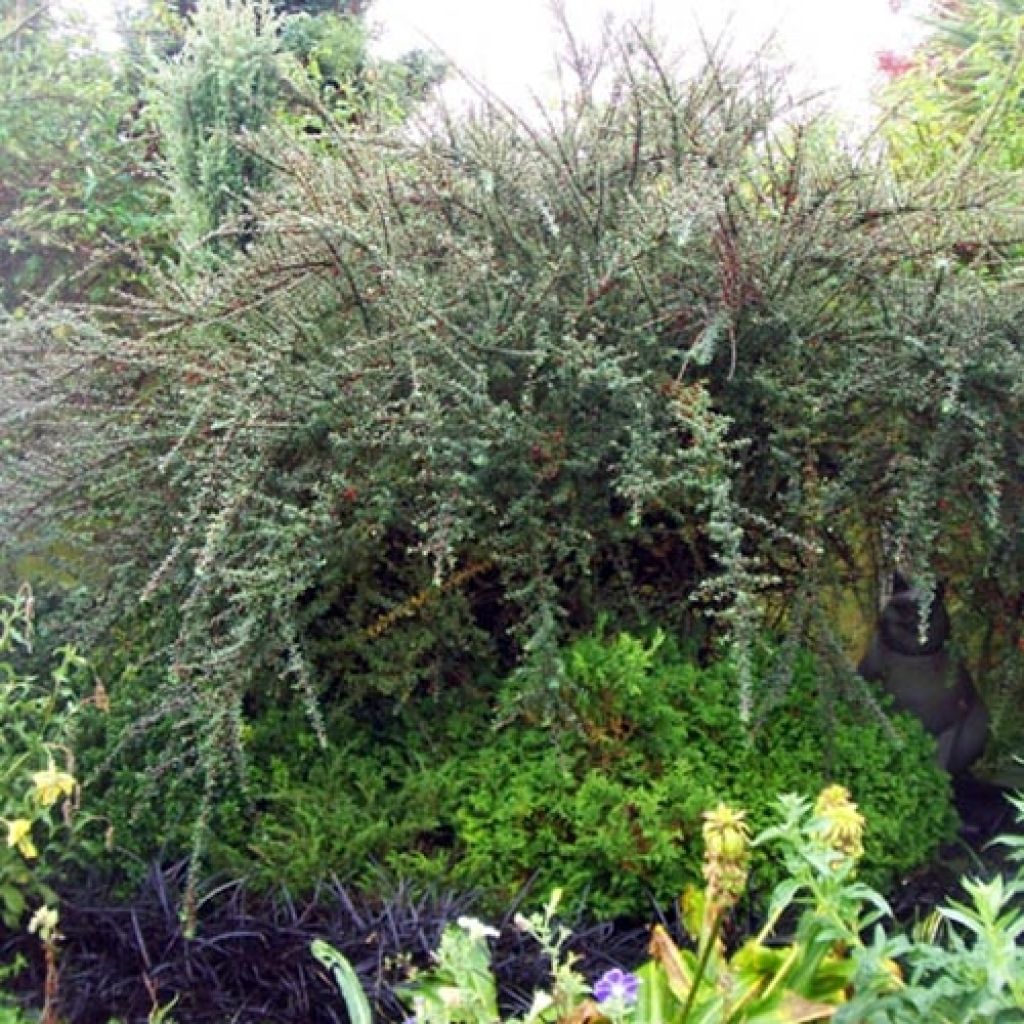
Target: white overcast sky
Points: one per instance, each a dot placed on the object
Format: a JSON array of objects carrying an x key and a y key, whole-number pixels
[{"x": 832, "y": 44}]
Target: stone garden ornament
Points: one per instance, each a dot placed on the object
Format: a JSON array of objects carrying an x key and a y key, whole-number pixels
[{"x": 914, "y": 665}]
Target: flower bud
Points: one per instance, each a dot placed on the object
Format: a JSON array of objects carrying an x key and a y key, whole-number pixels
[
  {"x": 843, "y": 823},
  {"x": 726, "y": 855}
]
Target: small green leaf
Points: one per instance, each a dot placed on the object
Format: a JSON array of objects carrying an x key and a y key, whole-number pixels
[{"x": 14, "y": 903}]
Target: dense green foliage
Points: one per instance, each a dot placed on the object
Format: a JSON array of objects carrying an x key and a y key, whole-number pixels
[
  {"x": 607, "y": 799},
  {"x": 604, "y": 797}
]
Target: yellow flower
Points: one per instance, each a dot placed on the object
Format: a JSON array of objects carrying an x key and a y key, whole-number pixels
[
  {"x": 832, "y": 796},
  {"x": 19, "y": 834},
  {"x": 843, "y": 823},
  {"x": 726, "y": 856},
  {"x": 51, "y": 785},
  {"x": 726, "y": 834}
]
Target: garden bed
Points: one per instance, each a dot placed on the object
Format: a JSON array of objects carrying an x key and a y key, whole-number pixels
[{"x": 250, "y": 961}]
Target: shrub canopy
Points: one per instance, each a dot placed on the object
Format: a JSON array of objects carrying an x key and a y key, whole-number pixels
[{"x": 673, "y": 345}]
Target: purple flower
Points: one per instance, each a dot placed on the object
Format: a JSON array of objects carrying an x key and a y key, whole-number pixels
[{"x": 616, "y": 984}]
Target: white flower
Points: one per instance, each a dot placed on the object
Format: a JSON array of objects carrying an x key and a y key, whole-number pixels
[
  {"x": 477, "y": 929},
  {"x": 451, "y": 996},
  {"x": 44, "y": 921},
  {"x": 542, "y": 1001}
]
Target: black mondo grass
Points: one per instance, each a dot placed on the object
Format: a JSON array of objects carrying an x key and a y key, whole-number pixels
[{"x": 250, "y": 962}]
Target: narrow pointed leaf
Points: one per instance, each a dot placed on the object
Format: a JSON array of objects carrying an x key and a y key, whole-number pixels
[{"x": 346, "y": 979}]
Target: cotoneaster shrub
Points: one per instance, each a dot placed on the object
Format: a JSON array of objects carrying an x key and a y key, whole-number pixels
[{"x": 676, "y": 349}]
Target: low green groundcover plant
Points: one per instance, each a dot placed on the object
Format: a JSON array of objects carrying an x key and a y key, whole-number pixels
[
  {"x": 837, "y": 963},
  {"x": 609, "y": 798},
  {"x": 604, "y": 798}
]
